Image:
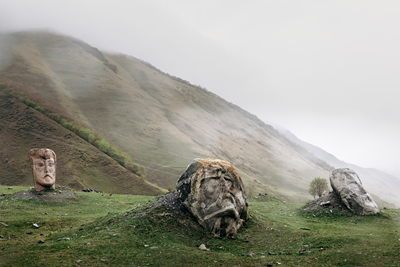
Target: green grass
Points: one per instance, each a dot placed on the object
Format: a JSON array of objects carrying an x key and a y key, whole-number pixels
[{"x": 106, "y": 230}]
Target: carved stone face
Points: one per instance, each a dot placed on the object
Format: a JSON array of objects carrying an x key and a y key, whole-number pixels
[
  {"x": 348, "y": 185},
  {"x": 214, "y": 193},
  {"x": 43, "y": 163}
]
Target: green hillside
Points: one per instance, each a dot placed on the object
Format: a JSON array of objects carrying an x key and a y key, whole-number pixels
[{"x": 79, "y": 164}]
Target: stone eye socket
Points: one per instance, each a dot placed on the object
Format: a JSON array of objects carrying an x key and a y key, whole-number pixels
[
  {"x": 40, "y": 164},
  {"x": 228, "y": 181}
]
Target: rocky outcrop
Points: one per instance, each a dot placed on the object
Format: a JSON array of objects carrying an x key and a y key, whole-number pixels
[
  {"x": 214, "y": 193},
  {"x": 346, "y": 184}
]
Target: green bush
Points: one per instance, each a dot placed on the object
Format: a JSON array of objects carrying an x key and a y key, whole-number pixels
[
  {"x": 102, "y": 144},
  {"x": 318, "y": 186},
  {"x": 86, "y": 134}
]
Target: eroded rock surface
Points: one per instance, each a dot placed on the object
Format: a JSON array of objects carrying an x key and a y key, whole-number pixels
[
  {"x": 214, "y": 193},
  {"x": 346, "y": 184}
]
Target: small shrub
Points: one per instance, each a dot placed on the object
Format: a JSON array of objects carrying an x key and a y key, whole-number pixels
[{"x": 318, "y": 186}]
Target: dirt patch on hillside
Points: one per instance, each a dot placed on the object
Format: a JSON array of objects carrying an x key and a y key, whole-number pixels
[
  {"x": 327, "y": 204},
  {"x": 60, "y": 194}
]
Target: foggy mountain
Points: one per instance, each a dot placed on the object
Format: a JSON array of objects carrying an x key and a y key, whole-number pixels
[{"x": 162, "y": 122}]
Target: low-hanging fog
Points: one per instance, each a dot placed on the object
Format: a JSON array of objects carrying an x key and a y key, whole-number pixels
[{"x": 326, "y": 70}]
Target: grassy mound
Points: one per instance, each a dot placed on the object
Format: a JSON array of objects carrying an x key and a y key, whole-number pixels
[{"x": 97, "y": 229}]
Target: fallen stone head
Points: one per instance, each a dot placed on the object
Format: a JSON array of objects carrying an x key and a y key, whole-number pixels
[
  {"x": 347, "y": 185},
  {"x": 43, "y": 164},
  {"x": 214, "y": 193}
]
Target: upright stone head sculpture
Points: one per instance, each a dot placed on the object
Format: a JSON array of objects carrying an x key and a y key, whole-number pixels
[
  {"x": 214, "y": 193},
  {"x": 43, "y": 164},
  {"x": 346, "y": 183}
]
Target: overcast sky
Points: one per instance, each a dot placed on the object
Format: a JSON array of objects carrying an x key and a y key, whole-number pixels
[{"x": 329, "y": 71}]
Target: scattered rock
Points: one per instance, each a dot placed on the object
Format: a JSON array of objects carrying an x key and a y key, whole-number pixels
[
  {"x": 3, "y": 224},
  {"x": 203, "y": 247},
  {"x": 64, "y": 239},
  {"x": 41, "y": 241},
  {"x": 35, "y": 225},
  {"x": 325, "y": 203},
  {"x": 303, "y": 251},
  {"x": 305, "y": 228},
  {"x": 90, "y": 190}
]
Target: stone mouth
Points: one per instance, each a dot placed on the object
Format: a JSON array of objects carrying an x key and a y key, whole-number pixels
[
  {"x": 47, "y": 178},
  {"x": 228, "y": 211}
]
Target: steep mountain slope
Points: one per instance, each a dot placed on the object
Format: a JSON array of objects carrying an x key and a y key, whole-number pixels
[
  {"x": 161, "y": 121},
  {"x": 79, "y": 165},
  {"x": 375, "y": 181}
]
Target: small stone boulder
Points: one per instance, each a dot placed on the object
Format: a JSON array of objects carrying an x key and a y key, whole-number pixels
[
  {"x": 346, "y": 184},
  {"x": 213, "y": 192}
]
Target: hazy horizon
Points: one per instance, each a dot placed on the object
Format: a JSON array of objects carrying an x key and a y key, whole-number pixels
[{"x": 327, "y": 71}]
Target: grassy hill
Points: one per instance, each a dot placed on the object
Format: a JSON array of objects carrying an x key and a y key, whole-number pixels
[
  {"x": 79, "y": 164},
  {"x": 162, "y": 122},
  {"x": 126, "y": 230}
]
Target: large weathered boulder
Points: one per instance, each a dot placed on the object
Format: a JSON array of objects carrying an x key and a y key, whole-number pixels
[
  {"x": 346, "y": 184},
  {"x": 214, "y": 193}
]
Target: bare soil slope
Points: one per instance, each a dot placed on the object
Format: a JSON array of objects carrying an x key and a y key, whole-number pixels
[{"x": 79, "y": 165}]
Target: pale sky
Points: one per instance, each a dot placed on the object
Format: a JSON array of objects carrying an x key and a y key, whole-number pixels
[{"x": 329, "y": 71}]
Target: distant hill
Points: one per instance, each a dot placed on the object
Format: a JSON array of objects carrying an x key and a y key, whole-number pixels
[{"x": 162, "y": 122}]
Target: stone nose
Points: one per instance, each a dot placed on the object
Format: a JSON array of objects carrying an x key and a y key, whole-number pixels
[{"x": 46, "y": 167}]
